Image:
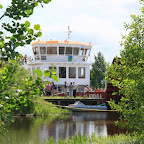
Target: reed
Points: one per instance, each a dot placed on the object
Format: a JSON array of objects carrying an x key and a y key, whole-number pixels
[
  {"x": 42, "y": 107},
  {"x": 93, "y": 139},
  {"x": 60, "y": 97}
]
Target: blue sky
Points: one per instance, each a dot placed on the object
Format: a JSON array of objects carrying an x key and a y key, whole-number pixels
[{"x": 97, "y": 21}]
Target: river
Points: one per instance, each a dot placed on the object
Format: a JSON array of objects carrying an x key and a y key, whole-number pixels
[{"x": 39, "y": 129}]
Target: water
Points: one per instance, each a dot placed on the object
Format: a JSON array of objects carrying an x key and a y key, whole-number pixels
[{"x": 40, "y": 129}]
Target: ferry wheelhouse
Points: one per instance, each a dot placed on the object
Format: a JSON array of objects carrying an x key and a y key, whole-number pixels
[{"x": 69, "y": 59}]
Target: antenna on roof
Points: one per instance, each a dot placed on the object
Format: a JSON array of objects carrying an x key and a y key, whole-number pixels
[{"x": 69, "y": 32}]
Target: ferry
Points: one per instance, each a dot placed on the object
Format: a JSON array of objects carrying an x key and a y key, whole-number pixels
[{"x": 69, "y": 59}]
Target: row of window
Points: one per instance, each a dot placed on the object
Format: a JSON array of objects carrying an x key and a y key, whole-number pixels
[
  {"x": 71, "y": 72},
  {"x": 62, "y": 50}
]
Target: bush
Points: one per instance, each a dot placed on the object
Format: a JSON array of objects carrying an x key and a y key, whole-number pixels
[{"x": 42, "y": 107}]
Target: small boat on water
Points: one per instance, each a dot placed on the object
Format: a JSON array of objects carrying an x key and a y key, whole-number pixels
[{"x": 79, "y": 106}]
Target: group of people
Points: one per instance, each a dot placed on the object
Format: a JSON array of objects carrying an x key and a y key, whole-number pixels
[
  {"x": 98, "y": 90},
  {"x": 50, "y": 89},
  {"x": 25, "y": 59},
  {"x": 70, "y": 89}
]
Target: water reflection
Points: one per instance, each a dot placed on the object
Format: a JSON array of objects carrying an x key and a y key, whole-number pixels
[{"x": 36, "y": 129}]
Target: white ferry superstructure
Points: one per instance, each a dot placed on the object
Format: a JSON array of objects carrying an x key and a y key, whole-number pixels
[{"x": 69, "y": 59}]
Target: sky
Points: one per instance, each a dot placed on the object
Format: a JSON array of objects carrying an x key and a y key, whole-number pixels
[{"x": 100, "y": 22}]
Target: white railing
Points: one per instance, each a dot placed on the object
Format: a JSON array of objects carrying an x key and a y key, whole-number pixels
[{"x": 60, "y": 58}]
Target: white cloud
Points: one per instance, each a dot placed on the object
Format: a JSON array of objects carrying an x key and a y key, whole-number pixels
[
  {"x": 5, "y": 2},
  {"x": 98, "y": 21}
]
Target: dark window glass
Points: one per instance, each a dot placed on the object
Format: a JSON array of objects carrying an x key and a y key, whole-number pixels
[{"x": 62, "y": 72}]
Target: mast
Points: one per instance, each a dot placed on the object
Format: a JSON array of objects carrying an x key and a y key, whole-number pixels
[{"x": 69, "y": 32}]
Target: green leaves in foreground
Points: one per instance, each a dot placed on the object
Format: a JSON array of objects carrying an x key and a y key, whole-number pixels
[
  {"x": 38, "y": 72},
  {"x": 27, "y": 23},
  {"x": 127, "y": 73},
  {"x": 54, "y": 77},
  {"x": 1, "y": 6},
  {"x": 46, "y": 1},
  {"x": 53, "y": 71},
  {"x": 17, "y": 89},
  {"x": 47, "y": 73},
  {"x": 37, "y": 27}
]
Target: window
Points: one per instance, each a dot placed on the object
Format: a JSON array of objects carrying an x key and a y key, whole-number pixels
[
  {"x": 37, "y": 57},
  {"x": 51, "y": 68},
  {"x": 62, "y": 72},
  {"x": 76, "y": 51},
  {"x": 38, "y": 67},
  {"x": 87, "y": 52},
  {"x": 81, "y": 52},
  {"x": 72, "y": 72},
  {"x": 43, "y": 57},
  {"x": 61, "y": 50},
  {"x": 69, "y": 50},
  {"x": 51, "y": 50},
  {"x": 42, "y": 50},
  {"x": 35, "y": 50},
  {"x": 81, "y": 72}
]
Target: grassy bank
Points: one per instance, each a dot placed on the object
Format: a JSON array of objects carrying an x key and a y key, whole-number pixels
[
  {"x": 61, "y": 97},
  {"x": 42, "y": 107},
  {"x": 93, "y": 139}
]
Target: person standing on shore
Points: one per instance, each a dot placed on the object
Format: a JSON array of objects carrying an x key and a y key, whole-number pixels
[
  {"x": 48, "y": 89},
  {"x": 85, "y": 92},
  {"x": 70, "y": 90},
  {"x": 98, "y": 90},
  {"x": 74, "y": 89},
  {"x": 65, "y": 90},
  {"x": 52, "y": 89},
  {"x": 101, "y": 90}
]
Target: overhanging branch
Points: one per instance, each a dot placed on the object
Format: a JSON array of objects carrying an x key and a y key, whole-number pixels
[{"x": 2, "y": 16}]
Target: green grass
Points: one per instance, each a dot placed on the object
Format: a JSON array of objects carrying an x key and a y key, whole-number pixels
[
  {"x": 93, "y": 139},
  {"x": 60, "y": 97},
  {"x": 42, "y": 107}
]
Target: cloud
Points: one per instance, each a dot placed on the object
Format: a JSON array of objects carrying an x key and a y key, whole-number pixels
[
  {"x": 97, "y": 21},
  {"x": 5, "y": 2}
]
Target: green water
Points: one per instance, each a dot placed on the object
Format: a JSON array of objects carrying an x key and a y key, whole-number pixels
[{"x": 38, "y": 129}]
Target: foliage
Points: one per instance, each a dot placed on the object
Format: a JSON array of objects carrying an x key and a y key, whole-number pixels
[
  {"x": 116, "y": 139},
  {"x": 14, "y": 33},
  {"x": 97, "y": 73},
  {"x": 18, "y": 77},
  {"x": 59, "y": 97},
  {"x": 127, "y": 73},
  {"x": 16, "y": 97},
  {"x": 42, "y": 107}
]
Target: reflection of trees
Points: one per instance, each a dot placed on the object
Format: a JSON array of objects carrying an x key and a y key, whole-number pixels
[
  {"x": 111, "y": 128},
  {"x": 28, "y": 129},
  {"x": 38, "y": 129},
  {"x": 81, "y": 123}
]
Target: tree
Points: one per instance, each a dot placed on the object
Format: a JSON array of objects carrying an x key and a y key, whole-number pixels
[
  {"x": 97, "y": 73},
  {"x": 14, "y": 95},
  {"x": 127, "y": 73}
]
